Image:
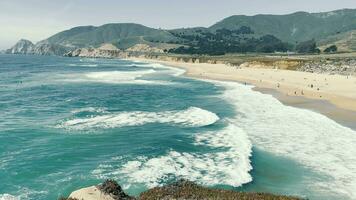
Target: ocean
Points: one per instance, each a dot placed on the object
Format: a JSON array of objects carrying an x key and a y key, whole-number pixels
[{"x": 69, "y": 123}]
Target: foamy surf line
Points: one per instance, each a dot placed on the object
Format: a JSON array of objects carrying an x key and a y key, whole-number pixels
[
  {"x": 191, "y": 117},
  {"x": 310, "y": 138},
  {"x": 176, "y": 71},
  {"x": 113, "y": 77},
  {"x": 228, "y": 166},
  {"x": 8, "y": 197},
  {"x": 83, "y": 65}
]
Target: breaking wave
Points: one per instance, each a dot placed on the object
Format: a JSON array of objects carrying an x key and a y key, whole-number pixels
[
  {"x": 8, "y": 197},
  {"x": 191, "y": 117},
  {"x": 83, "y": 65},
  {"x": 175, "y": 71},
  {"x": 310, "y": 138},
  {"x": 113, "y": 77},
  {"x": 229, "y": 164}
]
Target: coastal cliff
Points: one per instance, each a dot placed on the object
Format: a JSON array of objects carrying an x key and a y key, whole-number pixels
[
  {"x": 22, "y": 47},
  {"x": 183, "y": 189},
  {"x": 27, "y": 47}
]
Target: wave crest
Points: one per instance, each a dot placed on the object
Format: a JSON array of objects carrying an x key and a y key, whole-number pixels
[
  {"x": 229, "y": 165},
  {"x": 8, "y": 197},
  {"x": 191, "y": 117},
  {"x": 307, "y": 137},
  {"x": 113, "y": 77}
]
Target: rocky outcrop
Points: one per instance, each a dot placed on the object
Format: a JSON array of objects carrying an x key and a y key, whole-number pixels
[
  {"x": 110, "y": 51},
  {"x": 96, "y": 53},
  {"x": 145, "y": 48},
  {"x": 27, "y": 47},
  {"x": 50, "y": 49},
  {"x": 108, "y": 47},
  {"x": 183, "y": 189},
  {"x": 345, "y": 66},
  {"x": 22, "y": 47}
]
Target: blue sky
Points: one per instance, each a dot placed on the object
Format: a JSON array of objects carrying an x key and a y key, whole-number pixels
[{"x": 39, "y": 19}]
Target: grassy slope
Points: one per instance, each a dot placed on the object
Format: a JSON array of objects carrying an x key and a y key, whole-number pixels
[
  {"x": 346, "y": 42},
  {"x": 300, "y": 26},
  {"x": 125, "y": 35}
]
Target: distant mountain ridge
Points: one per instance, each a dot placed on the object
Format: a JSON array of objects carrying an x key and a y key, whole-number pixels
[
  {"x": 109, "y": 33},
  {"x": 296, "y": 27},
  {"x": 291, "y": 28}
]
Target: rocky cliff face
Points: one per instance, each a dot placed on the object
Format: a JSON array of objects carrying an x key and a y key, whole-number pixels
[
  {"x": 144, "y": 48},
  {"x": 50, "y": 49},
  {"x": 22, "y": 47},
  {"x": 27, "y": 47},
  {"x": 96, "y": 53}
]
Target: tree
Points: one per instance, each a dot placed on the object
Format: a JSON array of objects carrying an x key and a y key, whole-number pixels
[
  {"x": 331, "y": 49},
  {"x": 307, "y": 47}
]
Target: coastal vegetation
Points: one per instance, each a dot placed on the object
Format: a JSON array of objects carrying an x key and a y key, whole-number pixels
[
  {"x": 225, "y": 41},
  {"x": 181, "y": 189},
  {"x": 331, "y": 49}
]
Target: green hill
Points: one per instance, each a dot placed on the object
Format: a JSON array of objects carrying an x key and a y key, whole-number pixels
[
  {"x": 345, "y": 42},
  {"x": 125, "y": 34},
  {"x": 296, "y": 27},
  {"x": 239, "y": 33}
]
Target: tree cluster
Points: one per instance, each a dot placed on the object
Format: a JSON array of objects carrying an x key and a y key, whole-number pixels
[{"x": 224, "y": 41}]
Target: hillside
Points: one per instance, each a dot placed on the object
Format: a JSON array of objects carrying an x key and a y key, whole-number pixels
[
  {"x": 345, "y": 42},
  {"x": 124, "y": 35},
  {"x": 296, "y": 27},
  {"x": 300, "y": 32}
]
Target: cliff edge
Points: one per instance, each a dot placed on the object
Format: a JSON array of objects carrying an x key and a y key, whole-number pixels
[{"x": 183, "y": 189}]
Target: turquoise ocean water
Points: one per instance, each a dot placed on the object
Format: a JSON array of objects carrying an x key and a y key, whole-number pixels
[{"x": 68, "y": 123}]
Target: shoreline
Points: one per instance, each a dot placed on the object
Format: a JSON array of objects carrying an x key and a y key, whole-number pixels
[{"x": 339, "y": 108}]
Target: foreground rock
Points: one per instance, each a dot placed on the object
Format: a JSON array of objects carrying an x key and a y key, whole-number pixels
[
  {"x": 183, "y": 189},
  {"x": 90, "y": 193}
]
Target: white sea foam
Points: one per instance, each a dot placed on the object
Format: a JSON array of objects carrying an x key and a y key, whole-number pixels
[
  {"x": 117, "y": 76},
  {"x": 83, "y": 65},
  {"x": 312, "y": 139},
  {"x": 24, "y": 194},
  {"x": 173, "y": 70},
  {"x": 8, "y": 197},
  {"x": 113, "y": 77},
  {"x": 89, "y": 109},
  {"x": 230, "y": 165},
  {"x": 191, "y": 117}
]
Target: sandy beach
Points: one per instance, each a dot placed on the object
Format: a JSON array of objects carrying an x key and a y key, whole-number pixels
[{"x": 331, "y": 95}]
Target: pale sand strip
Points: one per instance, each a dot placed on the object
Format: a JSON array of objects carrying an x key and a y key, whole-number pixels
[{"x": 337, "y": 89}]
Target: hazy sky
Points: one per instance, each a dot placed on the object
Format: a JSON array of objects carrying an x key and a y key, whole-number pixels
[{"x": 39, "y": 19}]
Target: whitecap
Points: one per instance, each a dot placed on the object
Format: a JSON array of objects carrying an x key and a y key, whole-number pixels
[
  {"x": 89, "y": 109},
  {"x": 191, "y": 117},
  {"x": 117, "y": 76},
  {"x": 112, "y": 77},
  {"x": 8, "y": 197},
  {"x": 173, "y": 70},
  {"x": 228, "y": 165},
  {"x": 83, "y": 65}
]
